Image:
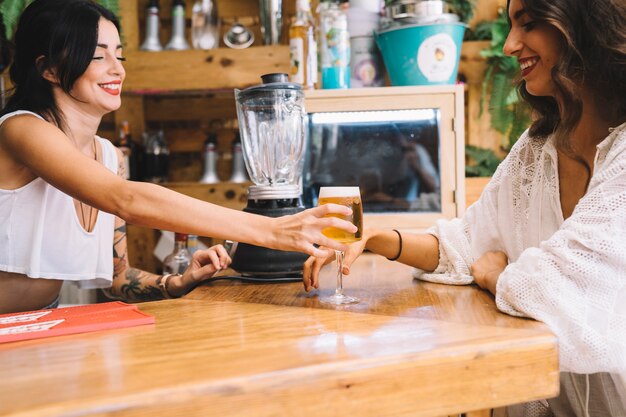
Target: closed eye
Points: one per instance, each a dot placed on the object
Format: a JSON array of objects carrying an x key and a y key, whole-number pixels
[{"x": 529, "y": 26}]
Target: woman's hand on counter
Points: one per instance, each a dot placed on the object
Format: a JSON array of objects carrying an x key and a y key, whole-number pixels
[
  {"x": 204, "y": 265},
  {"x": 487, "y": 269},
  {"x": 313, "y": 265}
]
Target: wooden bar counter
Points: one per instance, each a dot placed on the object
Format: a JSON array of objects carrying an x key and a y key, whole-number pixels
[{"x": 231, "y": 349}]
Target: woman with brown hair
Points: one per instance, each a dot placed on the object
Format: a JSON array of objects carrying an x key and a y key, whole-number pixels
[{"x": 547, "y": 236}]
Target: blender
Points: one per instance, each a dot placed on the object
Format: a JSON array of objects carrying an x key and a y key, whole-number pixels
[{"x": 271, "y": 123}]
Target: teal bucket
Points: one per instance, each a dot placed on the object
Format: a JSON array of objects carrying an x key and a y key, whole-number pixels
[{"x": 422, "y": 54}]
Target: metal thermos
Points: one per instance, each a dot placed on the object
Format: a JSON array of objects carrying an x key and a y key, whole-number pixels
[
  {"x": 271, "y": 21},
  {"x": 152, "y": 41},
  {"x": 178, "y": 41}
]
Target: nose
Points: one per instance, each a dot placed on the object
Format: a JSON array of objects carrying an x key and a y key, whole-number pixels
[
  {"x": 513, "y": 44},
  {"x": 118, "y": 69}
]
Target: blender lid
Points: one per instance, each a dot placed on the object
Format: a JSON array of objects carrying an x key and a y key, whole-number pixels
[{"x": 270, "y": 83}]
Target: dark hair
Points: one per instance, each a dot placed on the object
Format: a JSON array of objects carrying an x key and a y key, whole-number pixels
[
  {"x": 594, "y": 55},
  {"x": 65, "y": 34}
]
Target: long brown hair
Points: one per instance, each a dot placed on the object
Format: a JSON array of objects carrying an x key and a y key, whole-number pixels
[{"x": 594, "y": 55}]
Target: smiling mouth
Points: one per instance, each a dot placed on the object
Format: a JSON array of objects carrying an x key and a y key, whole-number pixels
[
  {"x": 527, "y": 65},
  {"x": 111, "y": 88}
]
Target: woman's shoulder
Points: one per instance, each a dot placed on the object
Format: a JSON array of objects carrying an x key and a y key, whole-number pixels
[
  {"x": 15, "y": 126},
  {"x": 20, "y": 114}
]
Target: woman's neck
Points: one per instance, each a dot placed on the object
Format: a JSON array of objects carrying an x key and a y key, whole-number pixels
[
  {"x": 593, "y": 126},
  {"x": 80, "y": 124}
]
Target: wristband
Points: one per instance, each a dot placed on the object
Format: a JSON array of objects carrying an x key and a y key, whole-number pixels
[
  {"x": 163, "y": 285},
  {"x": 395, "y": 258}
]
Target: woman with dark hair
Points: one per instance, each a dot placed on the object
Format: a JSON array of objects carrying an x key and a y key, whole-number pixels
[
  {"x": 63, "y": 199},
  {"x": 548, "y": 233}
]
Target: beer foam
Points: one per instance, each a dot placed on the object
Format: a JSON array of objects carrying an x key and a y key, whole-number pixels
[{"x": 328, "y": 192}]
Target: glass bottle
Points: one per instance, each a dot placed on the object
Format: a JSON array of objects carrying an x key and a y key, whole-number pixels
[
  {"x": 177, "y": 41},
  {"x": 334, "y": 44},
  {"x": 210, "y": 161},
  {"x": 125, "y": 147},
  {"x": 192, "y": 244},
  {"x": 303, "y": 47},
  {"x": 156, "y": 155},
  {"x": 152, "y": 41},
  {"x": 179, "y": 260},
  {"x": 205, "y": 25},
  {"x": 130, "y": 150}
]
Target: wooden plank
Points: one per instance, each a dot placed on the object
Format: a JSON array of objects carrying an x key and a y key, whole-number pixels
[
  {"x": 227, "y": 359},
  {"x": 132, "y": 111},
  {"x": 472, "y": 68},
  {"x": 474, "y": 187},
  {"x": 141, "y": 241},
  {"x": 200, "y": 70},
  {"x": 479, "y": 413},
  {"x": 225, "y": 194},
  {"x": 129, "y": 13},
  {"x": 204, "y": 109}
]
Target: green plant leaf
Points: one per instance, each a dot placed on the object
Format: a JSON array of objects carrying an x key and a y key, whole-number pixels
[
  {"x": 482, "y": 162},
  {"x": 12, "y": 9}
]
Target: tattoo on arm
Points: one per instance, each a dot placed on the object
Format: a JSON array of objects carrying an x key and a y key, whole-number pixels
[
  {"x": 141, "y": 286},
  {"x": 129, "y": 283}
]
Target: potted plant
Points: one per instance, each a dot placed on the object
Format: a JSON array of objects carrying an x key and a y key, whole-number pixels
[{"x": 509, "y": 114}]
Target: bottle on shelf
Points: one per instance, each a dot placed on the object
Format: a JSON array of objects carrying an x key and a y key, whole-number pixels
[
  {"x": 179, "y": 260},
  {"x": 303, "y": 47},
  {"x": 205, "y": 25},
  {"x": 271, "y": 17},
  {"x": 126, "y": 148},
  {"x": 152, "y": 41},
  {"x": 130, "y": 150},
  {"x": 155, "y": 162},
  {"x": 209, "y": 175},
  {"x": 192, "y": 244},
  {"x": 334, "y": 44},
  {"x": 239, "y": 169},
  {"x": 177, "y": 41}
]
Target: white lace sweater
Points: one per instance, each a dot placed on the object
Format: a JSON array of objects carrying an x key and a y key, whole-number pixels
[{"x": 568, "y": 274}]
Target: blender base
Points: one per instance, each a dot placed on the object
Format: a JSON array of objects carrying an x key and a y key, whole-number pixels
[{"x": 263, "y": 263}]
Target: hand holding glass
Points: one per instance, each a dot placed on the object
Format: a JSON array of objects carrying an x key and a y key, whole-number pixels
[{"x": 350, "y": 197}]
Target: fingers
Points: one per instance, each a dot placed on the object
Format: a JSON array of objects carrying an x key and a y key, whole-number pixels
[
  {"x": 324, "y": 209},
  {"x": 210, "y": 261},
  {"x": 312, "y": 267}
]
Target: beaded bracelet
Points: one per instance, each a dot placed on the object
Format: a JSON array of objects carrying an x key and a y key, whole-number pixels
[{"x": 400, "y": 250}]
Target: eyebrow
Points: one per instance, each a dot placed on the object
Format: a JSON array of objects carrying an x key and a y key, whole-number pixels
[
  {"x": 105, "y": 46},
  {"x": 519, "y": 14}
]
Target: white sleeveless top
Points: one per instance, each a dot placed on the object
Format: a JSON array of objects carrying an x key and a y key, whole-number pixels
[{"x": 41, "y": 235}]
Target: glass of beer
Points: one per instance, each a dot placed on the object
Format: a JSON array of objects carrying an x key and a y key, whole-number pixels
[{"x": 351, "y": 197}]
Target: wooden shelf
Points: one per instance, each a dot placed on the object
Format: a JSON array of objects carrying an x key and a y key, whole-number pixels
[{"x": 217, "y": 69}]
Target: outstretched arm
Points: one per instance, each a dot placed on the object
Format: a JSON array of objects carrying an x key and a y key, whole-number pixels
[
  {"x": 45, "y": 150},
  {"x": 417, "y": 250}
]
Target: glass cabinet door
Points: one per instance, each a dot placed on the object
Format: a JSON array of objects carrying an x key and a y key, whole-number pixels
[{"x": 394, "y": 156}]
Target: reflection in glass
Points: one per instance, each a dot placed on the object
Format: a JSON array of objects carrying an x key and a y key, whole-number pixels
[{"x": 392, "y": 156}]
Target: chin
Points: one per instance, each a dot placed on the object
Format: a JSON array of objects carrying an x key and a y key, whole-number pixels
[{"x": 536, "y": 91}]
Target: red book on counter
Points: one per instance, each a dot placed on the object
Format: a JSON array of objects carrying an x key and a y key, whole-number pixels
[{"x": 70, "y": 320}]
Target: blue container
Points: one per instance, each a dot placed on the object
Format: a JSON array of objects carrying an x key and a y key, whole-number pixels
[{"x": 422, "y": 54}]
